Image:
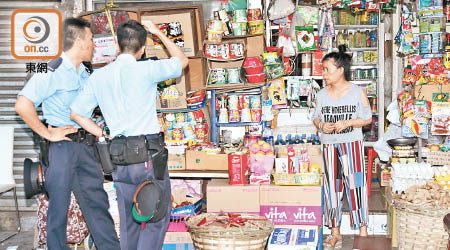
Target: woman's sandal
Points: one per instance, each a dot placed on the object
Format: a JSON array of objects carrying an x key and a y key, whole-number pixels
[{"x": 328, "y": 243}]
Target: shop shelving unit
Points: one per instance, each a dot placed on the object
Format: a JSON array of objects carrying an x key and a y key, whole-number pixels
[{"x": 379, "y": 64}]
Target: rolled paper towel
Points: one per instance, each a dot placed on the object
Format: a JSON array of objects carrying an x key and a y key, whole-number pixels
[{"x": 306, "y": 64}]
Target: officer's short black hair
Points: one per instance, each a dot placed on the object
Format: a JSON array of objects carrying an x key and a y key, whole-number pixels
[
  {"x": 131, "y": 36},
  {"x": 73, "y": 28}
]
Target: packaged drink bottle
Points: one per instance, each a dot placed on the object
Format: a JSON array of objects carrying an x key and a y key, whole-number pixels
[
  {"x": 288, "y": 139},
  {"x": 279, "y": 140}
]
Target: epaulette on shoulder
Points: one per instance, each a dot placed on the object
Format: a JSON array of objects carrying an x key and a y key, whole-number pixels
[{"x": 54, "y": 64}]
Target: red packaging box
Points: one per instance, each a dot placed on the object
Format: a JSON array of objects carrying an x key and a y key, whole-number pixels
[
  {"x": 238, "y": 169},
  {"x": 317, "y": 63}
]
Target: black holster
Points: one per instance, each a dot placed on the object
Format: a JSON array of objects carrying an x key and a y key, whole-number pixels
[
  {"x": 159, "y": 156},
  {"x": 102, "y": 149}
]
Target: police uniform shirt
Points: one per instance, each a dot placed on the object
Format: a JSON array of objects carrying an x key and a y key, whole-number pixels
[
  {"x": 56, "y": 90},
  {"x": 126, "y": 92}
]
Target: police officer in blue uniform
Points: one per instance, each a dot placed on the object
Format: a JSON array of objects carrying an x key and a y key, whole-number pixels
[
  {"x": 72, "y": 164},
  {"x": 126, "y": 92}
]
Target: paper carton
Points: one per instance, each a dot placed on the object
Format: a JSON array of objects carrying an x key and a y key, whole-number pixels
[
  {"x": 178, "y": 241},
  {"x": 179, "y": 102},
  {"x": 201, "y": 160},
  {"x": 223, "y": 197},
  {"x": 294, "y": 238},
  {"x": 187, "y": 20},
  {"x": 314, "y": 152},
  {"x": 291, "y": 205}
]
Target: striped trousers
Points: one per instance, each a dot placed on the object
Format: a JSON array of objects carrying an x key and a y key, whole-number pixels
[{"x": 345, "y": 168}]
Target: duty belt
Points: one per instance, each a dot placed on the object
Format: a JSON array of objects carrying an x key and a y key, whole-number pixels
[{"x": 82, "y": 136}]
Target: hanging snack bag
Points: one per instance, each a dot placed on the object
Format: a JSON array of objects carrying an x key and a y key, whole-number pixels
[
  {"x": 440, "y": 123},
  {"x": 305, "y": 38},
  {"x": 274, "y": 71},
  {"x": 410, "y": 76},
  {"x": 270, "y": 58},
  {"x": 276, "y": 92},
  {"x": 293, "y": 88}
]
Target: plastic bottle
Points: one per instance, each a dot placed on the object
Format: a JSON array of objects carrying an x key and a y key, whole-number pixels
[
  {"x": 351, "y": 39},
  {"x": 340, "y": 38},
  {"x": 268, "y": 133},
  {"x": 316, "y": 140},
  {"x": 279, "y": 140},
  {"x": 368, "y": 40},
  {"x": 288, "y": 139},
  {"x": 363, "y": 39},
  {"x": 357, "y": 38}
]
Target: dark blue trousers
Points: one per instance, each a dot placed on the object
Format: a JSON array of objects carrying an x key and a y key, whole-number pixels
[
  {"x": 73, "y": 167},
  {"x": 132, "y": 237}
]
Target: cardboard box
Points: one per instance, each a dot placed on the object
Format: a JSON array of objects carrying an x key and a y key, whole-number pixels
[
  {"x": 438, "y": 158},
  {"x": 178, "y": 241},
  {"x": 427, "y": 92},
  {"x": 178, "y": 102},
  {"x": 176, "y": 162},
  {"x": 314, "y": 152},
  {"x": 294, "y": 238},
  {"x": 256, "y": 45},
  {"x": 200, "y": 160},
  {"x": 282, "y": 207},
  {"x": 196, "y": 74},
  {"x": 222, "y": 197},
  {"x": 187, "y": 19}
]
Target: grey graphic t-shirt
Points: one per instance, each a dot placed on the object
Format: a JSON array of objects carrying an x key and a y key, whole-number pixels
[{"x": 348, "y": 107}]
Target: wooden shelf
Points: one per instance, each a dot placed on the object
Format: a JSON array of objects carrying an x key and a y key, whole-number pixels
[
  {"x": 237, "y": 37},
  {"x": 199, "y": 173},
  {"x": 234, "y": 86},
  {"x": 224, "y": 60},
  {"x": 238, "y": 124}
]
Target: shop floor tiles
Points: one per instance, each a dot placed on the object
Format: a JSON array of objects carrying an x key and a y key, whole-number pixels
[{"x": 354, "y": 242}]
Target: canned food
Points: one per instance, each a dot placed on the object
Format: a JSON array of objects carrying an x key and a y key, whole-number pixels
[
  {"x": 365, "y": 74},
  {"x": 374, "y": 73},
  {"x": 233, "y": 102},
  {"x": 352, "y": 75},
  {"x": 369, "y": 74},
  {"x": 245, "y": 115},
  {"x": 201, "y": 133},
  {"x": 244, "y": 101},
  {"x": 358, "y": 74},
  {"x": 234, "y": 115},
  {"x": 255, "y": 101},
  {"x": 177, "y": 133},
  {"x": 223, "y": 115}
]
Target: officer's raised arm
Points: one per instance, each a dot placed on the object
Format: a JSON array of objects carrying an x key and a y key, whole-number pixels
[{"x": 173, "y": 49}]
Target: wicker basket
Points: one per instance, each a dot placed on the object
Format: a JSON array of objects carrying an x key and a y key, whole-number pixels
[
  {"x": 252, "y": 236},
  {"x": 420, "y": 227}
]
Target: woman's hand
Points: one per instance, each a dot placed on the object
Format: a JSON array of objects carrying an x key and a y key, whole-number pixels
[
  {"x": 328, "y": 127},
  {"x": 341, "y": 125}
]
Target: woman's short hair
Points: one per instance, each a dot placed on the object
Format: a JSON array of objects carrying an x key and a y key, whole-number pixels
[{"x": 341, "y": 59}]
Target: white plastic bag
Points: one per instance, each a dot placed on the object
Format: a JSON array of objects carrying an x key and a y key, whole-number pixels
[
  {"x": 288, "y": 46},
  {"x": 280, "y": 8}
]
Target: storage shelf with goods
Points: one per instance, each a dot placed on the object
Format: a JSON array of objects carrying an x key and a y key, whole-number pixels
[
  {"x": 198, "y": 174},
  {"x": 355, "y": 27}
]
